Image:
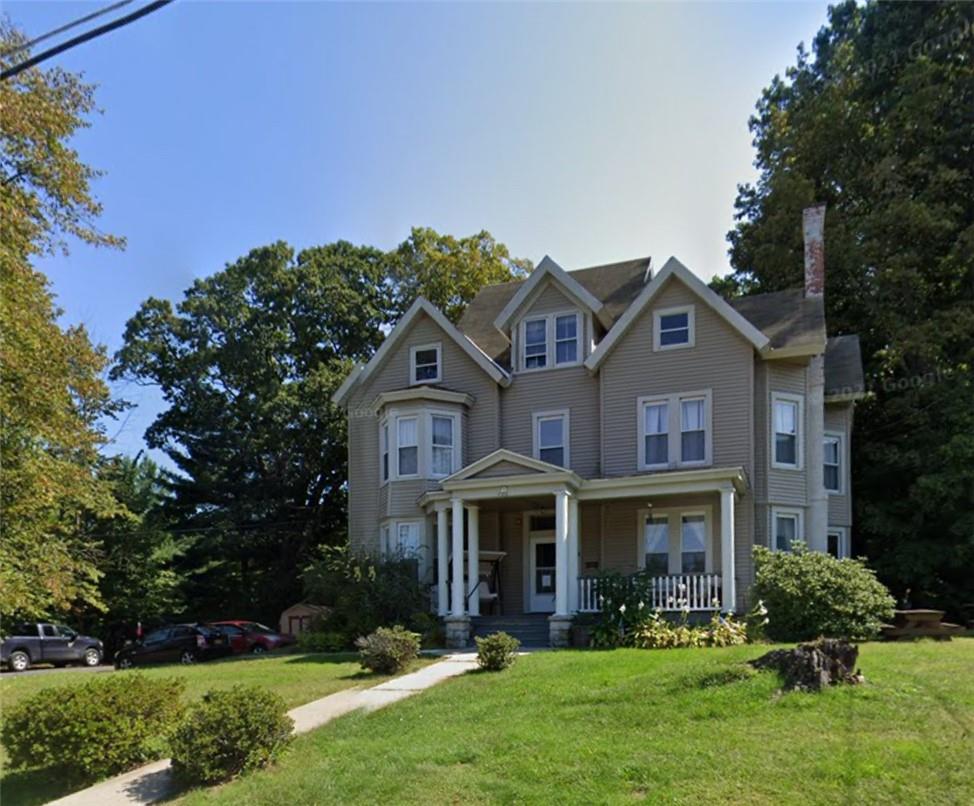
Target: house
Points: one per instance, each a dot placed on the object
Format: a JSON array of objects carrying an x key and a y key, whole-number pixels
[
  {"x": 300, "y": 617},
  {"x": 610, "y": 418}
]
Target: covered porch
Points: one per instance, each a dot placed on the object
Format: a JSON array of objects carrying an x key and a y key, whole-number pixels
[{"x": 525, "y": 537}]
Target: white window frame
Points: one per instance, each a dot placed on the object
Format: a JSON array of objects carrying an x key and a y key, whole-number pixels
[
  {"x": 641, "y": 525},
  {"x": 551, "y": 332},
  {"x": 385, "y": 459},
  {"x": 799, "y": 401},
  {"x": 565, "y": 416},
  {"x": 418, "y": 445},
  {"x": 839, "y": 439},
  {"x": 455, "y": 462},
  {"x": 786, "y": 512},
  {"x": 413, "y": 380},
  {"x": 389, "y": 540},
  {"x": 658, "y": 315},
  {"x": 675, "y": 532},
  {"x": 842, "y": 533},
  {"x": 674, "y": 441}
]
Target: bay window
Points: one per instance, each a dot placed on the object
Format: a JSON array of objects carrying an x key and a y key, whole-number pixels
[
  {"x": 384, "y": 449},
  {"x": 442, "y": 445},
  {"x": 786, "y": 526},
  {"x": 424, "y": 443},
  {"x": 408, "y": 442}
]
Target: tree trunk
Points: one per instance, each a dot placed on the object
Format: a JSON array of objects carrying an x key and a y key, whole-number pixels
[{"x": 812, "y": 667}]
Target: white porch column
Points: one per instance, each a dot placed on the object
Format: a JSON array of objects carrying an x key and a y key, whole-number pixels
[
  {"x": 442, "y": 561},
  {"x": 573, "y": 559},
  {"x": 473, "y": 560},
  {"x": 561, "y": 553},
  {"x": 728, "y": 594},
  {"x": 457, "y": 586}
]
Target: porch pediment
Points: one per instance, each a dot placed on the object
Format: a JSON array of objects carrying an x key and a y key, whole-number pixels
[{"x": 502, "y": 463}]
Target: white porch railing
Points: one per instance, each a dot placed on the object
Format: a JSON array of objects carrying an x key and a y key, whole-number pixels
[{"x": 670, "y": 592}]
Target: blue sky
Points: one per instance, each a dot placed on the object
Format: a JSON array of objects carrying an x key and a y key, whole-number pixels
[{"x": 590, "y": 132}]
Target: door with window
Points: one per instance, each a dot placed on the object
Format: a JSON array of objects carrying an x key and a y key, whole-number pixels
[{"x": 541, "y": 564}]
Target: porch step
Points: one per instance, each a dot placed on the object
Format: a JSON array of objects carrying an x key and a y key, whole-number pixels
[{"x": 531, "y": 629}]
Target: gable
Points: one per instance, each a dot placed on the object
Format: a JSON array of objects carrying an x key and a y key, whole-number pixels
[
  {"x": 511, "y": 462},
  {"x": 504, "y": 468}
]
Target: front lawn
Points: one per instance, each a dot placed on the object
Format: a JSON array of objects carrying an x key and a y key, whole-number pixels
[
  {"x": 298, "y": 678},
  {"x": 671, "y": 726}
]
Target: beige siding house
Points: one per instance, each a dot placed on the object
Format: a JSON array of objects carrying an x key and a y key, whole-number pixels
[{"x": 607, "y": 419}]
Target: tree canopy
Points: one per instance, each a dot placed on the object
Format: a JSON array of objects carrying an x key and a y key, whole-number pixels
[{"x": 877, "y": 122}]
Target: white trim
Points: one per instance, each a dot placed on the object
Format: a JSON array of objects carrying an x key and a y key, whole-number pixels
[
  {"x": 786, "y": 512},
  {"x": 424, "y": 440},
  {"x": 551, "y": 340},
  {"x": 674, "y": 412},
  {"x": 389, "y": 540},
  {"x": 422, "y": 393},
  {"x": 560, "y": 414},
  {"x": 418, "y": 445},
  {"x": 527, "y": 583},
  {"x": 839, "y": 438},
  {"x": 674, "y": 268},
  {"x": 456, "y": 461},
  {"x": 385, "y": 457},
  {"x": 799, "y": 400},
  {"x": 794, "y": 350},
  {"x": 675, "y": 515},
  {"x": 415, "y": 348},
  {"x": 842, "y": 532},
  {"x": 503, "y": 455},
  {"x": 548, "y": 268},
  {"x": 421, "y": 305},
  {"x": 659, "y": 313}
]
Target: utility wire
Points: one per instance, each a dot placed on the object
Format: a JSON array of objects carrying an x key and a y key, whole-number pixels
[
  {"x": 94, "y": 32},
  {"x": 68, "y": 27}
]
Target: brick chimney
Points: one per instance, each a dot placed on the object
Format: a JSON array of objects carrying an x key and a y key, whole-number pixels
[{"x": 813, "y": 230}]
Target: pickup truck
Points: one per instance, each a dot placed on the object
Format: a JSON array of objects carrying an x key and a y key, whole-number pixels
[{"x": 40, "y": 642}]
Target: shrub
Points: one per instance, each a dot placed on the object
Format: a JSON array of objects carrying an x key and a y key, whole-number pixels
[
  {"x": 388, "y": 650},
  {"x": 313, "y": 641},
  {"x": 94, "y": 730},
  {"x": 497, "y": 651},
  {"x": 229, "y": 732},
  {"x": 811, "y": 594}
]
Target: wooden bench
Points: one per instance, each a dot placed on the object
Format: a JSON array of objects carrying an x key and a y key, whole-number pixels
[{"x": 920, "y": 624}]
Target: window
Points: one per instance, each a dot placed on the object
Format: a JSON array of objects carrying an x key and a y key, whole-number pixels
[
  {"x": 407, "y": 539},
  {"x": 442, "y": 440},
  {"x": 566, "y": 339},
  {"x": 673, "y": 328},
  {"x": 49, "y": 631},
  {"x": 385, "y": 540},
  {"x": 551, "y": 437},
  {"x": 786, "y": 425},
  {"x": 424, "y": 364},
  {"x": 384, "y": 449},
  {"x": 787, "y": 527},
  {"x": 692, "y": 431},
  {"x": 832, "y": 471},
  {"x": 408, "y": 442},
  {"x": 674, "y": 431},
  {"x": 535, "y": 343},
  {"x": 657, "y": 544},
  {"x": 657, "y": 434},
  {"x": 693, "y": 544},
  {"x": 837, "y": 539}
]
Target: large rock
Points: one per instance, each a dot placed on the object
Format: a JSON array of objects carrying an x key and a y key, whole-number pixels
[{"x": 811, "y": 667}]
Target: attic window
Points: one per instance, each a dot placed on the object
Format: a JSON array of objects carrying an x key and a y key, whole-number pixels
[
  {"x": 424, "y": 363},
  {"x": 673, "y": 328}
]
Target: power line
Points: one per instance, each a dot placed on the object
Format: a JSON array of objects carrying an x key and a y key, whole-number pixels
[
  {"x": 68, "y": 27},
  {"x": 81, "y": 38}
]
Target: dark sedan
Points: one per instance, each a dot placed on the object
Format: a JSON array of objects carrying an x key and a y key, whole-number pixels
[{"x": 179, "y": 643}]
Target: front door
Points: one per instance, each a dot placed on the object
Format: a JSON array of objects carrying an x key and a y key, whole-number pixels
[{"x": 542, "y": 580}]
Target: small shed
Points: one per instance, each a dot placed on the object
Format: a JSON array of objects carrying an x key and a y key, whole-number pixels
[{"x": 298, "y": 618}]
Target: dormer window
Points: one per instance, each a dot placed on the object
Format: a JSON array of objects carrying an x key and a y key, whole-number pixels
[
  {"x": 673, "y": 328},
  {"x": 425, "y": 364},
  {"x": 551, "y": 341}
]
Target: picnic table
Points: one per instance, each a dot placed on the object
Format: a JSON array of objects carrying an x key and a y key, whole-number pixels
[{"x": 920, "y": 624}]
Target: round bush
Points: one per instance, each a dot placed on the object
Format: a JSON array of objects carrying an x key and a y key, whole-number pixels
[
  {"x": 388, "y": 650},
  {"x": 100, "y": 728},
  {"x": 322, "y": 642},
  {"x": 497, "y": 651},
  {"x": 810, "y": 594},
  {"x": 230, "y": 732}
]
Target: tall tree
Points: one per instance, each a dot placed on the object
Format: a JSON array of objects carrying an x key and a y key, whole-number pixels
[
  {"x": 52, "y": 397},
  {"x": 449, "y": 271},
  {"x": 878, "y": 124}
]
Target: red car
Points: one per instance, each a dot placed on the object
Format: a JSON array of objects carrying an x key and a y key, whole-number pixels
[{"x": 251, "y": 636}]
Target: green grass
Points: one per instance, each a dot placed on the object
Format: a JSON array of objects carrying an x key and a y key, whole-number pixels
[
  {"x": 298, "y": 678},
  {"x": 672, "y": 726}
]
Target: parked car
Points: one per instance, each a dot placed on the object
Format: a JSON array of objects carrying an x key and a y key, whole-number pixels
[
  {"x": 239, "y": 638},
  {"x": 40, "y": 642},
  {"x": 182, "y": 643},
  {"x": 261, "y": 639}
]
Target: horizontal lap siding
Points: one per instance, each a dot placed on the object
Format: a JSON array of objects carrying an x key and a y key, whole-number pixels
[
  {"x": 512, "y": 566},
  {"x": 504, "y": 469},
  {"x": 589, "y": 537},
  {"x": 368, "y": 500},
  {"x": 550, "y": 300},
  {"x": 786, "y": 487},
  {"x": 838, "y": 419},
  {"x": 720, "y": 360}
]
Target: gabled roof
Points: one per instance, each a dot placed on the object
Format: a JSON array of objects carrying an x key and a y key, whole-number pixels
[
  {"x": 615, "y": 284},
  {"x": 794, "y": 323},
  {"x": 676, "y": 270},
  {"x": 361, "y": 373},
  {"x": 548, "y": 269},
  {"x": 503, "y": 456}
]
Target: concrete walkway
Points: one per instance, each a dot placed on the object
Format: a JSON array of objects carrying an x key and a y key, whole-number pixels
[{"x": 156, "y": 781}]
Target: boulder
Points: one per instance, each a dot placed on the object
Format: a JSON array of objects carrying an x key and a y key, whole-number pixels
[{"x": 811, "y": 667}]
